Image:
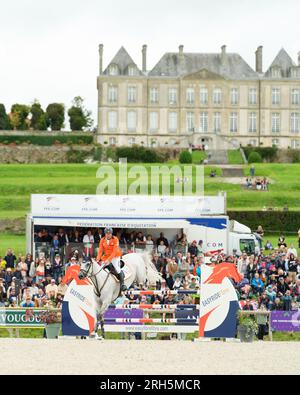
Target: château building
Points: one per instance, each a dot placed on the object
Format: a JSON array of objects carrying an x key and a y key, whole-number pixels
[{"x": 188, "y": 99}]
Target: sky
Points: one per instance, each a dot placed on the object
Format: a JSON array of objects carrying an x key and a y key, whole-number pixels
[{"x": 49, "y": 48}]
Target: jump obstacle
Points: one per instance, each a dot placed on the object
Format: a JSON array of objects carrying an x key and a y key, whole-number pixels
[{"x": 184, "y": 325}]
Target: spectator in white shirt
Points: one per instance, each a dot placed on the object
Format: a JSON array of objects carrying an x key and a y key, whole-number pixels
[
  {"x": 292, "y": 250},
  {"x": 243, "y": 263},
  {"x": 149, "y": 244},
  {"x": 88, "y": 241},
  {"x": 161, "y": 249},
  {"x": 50, "y": 288}
]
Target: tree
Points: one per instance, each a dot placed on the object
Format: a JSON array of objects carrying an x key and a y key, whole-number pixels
[
  {"x": 79, "y": 116},
  {"x": 4, "y": 118},
  {"x": 19, "y": 116},
  {"x": 185, "y": 157},
  {"x": 39, "y": 119},
  {"x": 56, "y": 115},
  {"x": 254, "y": 157}
]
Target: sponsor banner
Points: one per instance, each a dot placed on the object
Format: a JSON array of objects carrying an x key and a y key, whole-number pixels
[
  {"x": 114, "y": 223},
  {"x": 285, "y": 321},
  {"x": 219, "y": 302},
  {"x": 78, "y": 308},
  {"x": 188, "y": 314},
  {"x": 112, "y": 314},
  {"x": 126, "y": 206},
  {"x": 152, "y": 328},
  {"x": 21, "y": 317}
]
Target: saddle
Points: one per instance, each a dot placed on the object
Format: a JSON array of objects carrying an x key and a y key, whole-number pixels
[{"x": 110, "y": 268}]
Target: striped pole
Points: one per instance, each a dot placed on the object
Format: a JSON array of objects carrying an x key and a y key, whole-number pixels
[
  {"x": 151, "y": 320},
  {"x": 154, "y": 306},
  {"x": 164, "y": 292}
]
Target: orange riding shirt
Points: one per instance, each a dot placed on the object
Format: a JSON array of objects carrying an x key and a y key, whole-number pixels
[{"x": 109, "y": 249}]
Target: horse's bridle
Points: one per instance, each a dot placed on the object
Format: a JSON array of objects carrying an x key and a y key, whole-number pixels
[{"x": 86, "y": 274}]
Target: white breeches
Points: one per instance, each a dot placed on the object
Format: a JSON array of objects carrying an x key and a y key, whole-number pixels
[{"x": 116, "y": 264}]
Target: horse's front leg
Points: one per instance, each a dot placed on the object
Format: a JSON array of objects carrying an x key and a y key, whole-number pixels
[{"x": 101, "y": 319}]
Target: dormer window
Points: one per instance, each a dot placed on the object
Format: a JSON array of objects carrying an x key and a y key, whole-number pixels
[
  {"x": 295, "y": 72},
  {"x": 113, "y": 69},
  {"x": 132, "y": 70},
  {"x": 276, "y": 72}
]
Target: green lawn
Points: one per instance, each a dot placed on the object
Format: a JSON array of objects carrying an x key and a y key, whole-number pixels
[
  {"x": 198, "y": 156},
  {"x": 235, "y": 157},
  {"x": 17, "y": 182},
  {"x": 16, "y": 242}
]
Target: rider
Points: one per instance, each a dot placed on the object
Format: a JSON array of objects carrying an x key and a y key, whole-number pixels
[{"x": 110, "y": 252}]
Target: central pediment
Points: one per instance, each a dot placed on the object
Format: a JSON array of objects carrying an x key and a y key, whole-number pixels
[{"x": 203, "y": 74}]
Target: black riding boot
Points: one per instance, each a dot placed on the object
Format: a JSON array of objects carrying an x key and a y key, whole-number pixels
[{"x": 121, "y": 279}]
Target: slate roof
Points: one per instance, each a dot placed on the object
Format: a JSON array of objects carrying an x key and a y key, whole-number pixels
[
  {"x": 282, "y": 60},
  {"x": 234, "y": 66},
  {"x": 123, "y": 60}
]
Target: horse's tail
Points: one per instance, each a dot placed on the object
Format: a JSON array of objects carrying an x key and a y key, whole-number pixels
[{"x": 152, "y": 275}]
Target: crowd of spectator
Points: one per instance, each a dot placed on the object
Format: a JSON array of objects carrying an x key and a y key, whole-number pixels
[{"x": 270, "y": 280}]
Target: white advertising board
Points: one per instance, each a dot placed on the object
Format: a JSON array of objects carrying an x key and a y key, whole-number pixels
[{"x": 125, "y": 206}]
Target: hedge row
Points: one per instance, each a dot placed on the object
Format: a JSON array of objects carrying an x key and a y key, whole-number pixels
[
  {"x": 137, "y": 154},
  {"x": 271, "y": 221},
  {"x": 47, "y": 140},
  {"x": 268, "y": 154}
]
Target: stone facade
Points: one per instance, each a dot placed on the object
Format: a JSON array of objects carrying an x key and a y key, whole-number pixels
[
  {"x": 191, "y": 99},
  {"x": 38, "y": 154}
]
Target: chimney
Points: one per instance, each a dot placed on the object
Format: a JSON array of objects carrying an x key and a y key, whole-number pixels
[
  {"x": 223, "y": 54},
  {"x": 180, "y": 50},
  {"x": 144, "y": 52},
  {"x": 259, "y": 60},
  {"x": 100, "y": 59}
]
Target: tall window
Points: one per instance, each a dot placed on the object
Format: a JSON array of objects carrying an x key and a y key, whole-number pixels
[
  {"x": 295, "y": 144},
  {"x": 252, "y": 122},
  {"x": 112, "y": 94},
  {"x": 131, "y": 141},
  {"x": 172, "y": 95},
  {"x": 295, "y": 96},
  {"x": 275, "y": 96},
  {"x": 252, "y": 96},
  {"x": 131, "y": 94},
  {"x": 112, "y": 141},
  {"x": 203, "y": 96},
  {"x": 190, "y": 122},
  {"x": 234, "y": 96},
  {"x": 275, "y": 122},
  {"x": 112, "y": 120},
  {"x": 153, "y": 121},
  {"x": 153, "y": 95},
  {"x": 190, "y": 95},
  {"x": 131, "y": 121},
  {"x": 233, "y": 122},
  {"x": 275, "y": 142},
  {"x": 253, "y": 142},
  {"x": 203, "y": 122},
  {"x": 217, "y": 96},
  {"x": 294, "y": 122},
  {"x": 173, "y": 121},
  {"x": 217, "y": 122}
]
